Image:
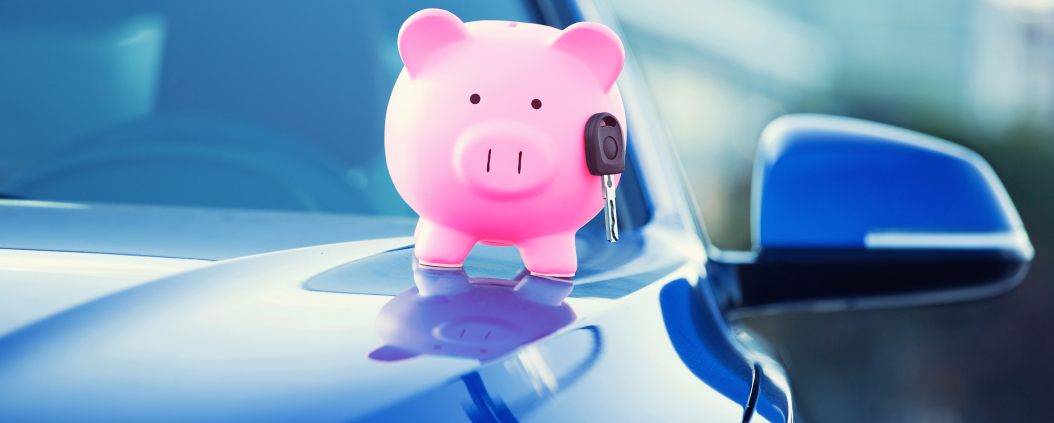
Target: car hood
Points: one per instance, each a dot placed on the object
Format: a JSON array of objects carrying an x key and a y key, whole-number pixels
[
  {"x": 57, "y": 255},
  {"x": 37, "y": 284},
  {"x": 244, "y": 338},
  {"x": 180, "y": 232},
  {"x": 234, "y": 336}
]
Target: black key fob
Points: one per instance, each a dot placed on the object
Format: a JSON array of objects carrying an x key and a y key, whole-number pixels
[{"x": 605, "y": 147}]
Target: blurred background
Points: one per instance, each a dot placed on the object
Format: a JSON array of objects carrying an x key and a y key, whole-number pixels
[
  {"x": 976, "y": 72},
  {"x": 979, "y": 73}
]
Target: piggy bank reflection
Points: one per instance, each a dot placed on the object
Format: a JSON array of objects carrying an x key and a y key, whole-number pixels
[{"x": 448, "y": 313}]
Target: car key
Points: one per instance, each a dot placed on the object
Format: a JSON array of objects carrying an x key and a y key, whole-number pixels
[{"x": 605, "y": 157}]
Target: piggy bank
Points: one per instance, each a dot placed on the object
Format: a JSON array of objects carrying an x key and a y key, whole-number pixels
[
  {"x": 446, "y": 313},
  {"x": 484, "y": 134}
]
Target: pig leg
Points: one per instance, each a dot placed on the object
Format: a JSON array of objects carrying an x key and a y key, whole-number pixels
[
  {"x": 551, "y": 255},
  {"x": 440, "y": 246}
]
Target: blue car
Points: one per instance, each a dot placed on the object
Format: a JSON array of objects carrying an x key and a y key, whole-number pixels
[{"x": 197, "y": 224}]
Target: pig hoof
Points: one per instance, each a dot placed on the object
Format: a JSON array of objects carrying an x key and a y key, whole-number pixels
[
  {"x": 554, "y": 275},
  {"x": 444, "y": 265}
]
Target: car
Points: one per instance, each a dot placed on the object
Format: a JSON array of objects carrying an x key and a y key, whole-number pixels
[{"x": 198, "y": 225}]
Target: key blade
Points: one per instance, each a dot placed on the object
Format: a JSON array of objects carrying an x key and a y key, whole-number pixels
[{"x": 610, "y": 213}]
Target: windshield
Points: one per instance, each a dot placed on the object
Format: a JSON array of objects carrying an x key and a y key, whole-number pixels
[{"x": 279, "y": 105}]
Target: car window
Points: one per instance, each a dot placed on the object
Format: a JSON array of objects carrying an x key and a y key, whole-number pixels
[{"x": 270, "y": 105}]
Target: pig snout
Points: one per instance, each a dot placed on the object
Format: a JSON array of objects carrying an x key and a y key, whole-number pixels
[
  {"x": 476, "y": 331},
  {"x": 505, "y": 159}
]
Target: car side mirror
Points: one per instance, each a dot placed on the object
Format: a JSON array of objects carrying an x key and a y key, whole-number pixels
[{"x": 850, "y": 214}]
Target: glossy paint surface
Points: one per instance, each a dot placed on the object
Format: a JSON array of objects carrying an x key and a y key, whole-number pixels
[
  {"x": 242, "y": 340},
  {"x": 222, "y": 343},
  {"x": 590, "y": 371},
  {"x": 180, "y": 232},
  {"x": 37, "y": 284}
]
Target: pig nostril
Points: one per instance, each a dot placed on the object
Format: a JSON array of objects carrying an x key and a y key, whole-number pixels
[
  {"x": 519, "y": 165},
  {"x": 488, "y": 160},
  {"x": 474, "y": 98}
]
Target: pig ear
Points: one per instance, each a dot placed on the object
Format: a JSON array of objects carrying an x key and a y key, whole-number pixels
[
  {"x": 388, "y": 353},
  {"x": 425, "y": 33},
  {"x": 597, "y": 47}
]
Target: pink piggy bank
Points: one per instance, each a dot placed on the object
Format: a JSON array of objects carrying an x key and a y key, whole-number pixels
[{"x": 484, "y": 134}]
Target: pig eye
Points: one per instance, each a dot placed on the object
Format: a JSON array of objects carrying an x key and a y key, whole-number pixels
[
  {"x": 475, "y": 99},
  {"x": 536, "y": 103}
]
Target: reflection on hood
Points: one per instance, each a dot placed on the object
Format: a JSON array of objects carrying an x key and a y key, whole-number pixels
[{"x": 448, "y": 313}]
